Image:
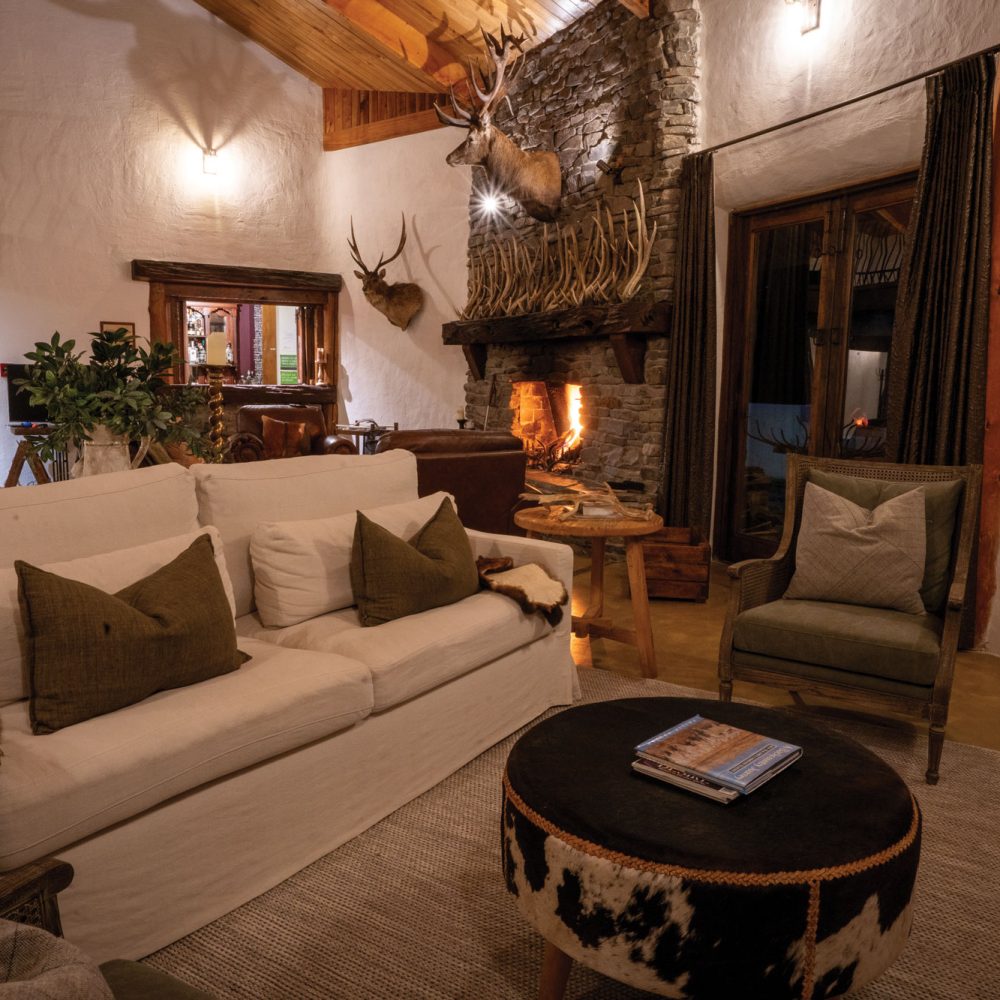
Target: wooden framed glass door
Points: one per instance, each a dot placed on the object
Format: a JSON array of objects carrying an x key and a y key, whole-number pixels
[{"x": 810, "y": 300}]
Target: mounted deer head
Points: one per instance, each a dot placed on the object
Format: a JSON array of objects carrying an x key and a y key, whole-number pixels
[
  {"x": 532, "y": 178},
  {"x": 399, "y": 302}
]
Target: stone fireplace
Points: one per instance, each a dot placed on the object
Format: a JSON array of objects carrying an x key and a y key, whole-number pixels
[{"x": 583, "y": 94}]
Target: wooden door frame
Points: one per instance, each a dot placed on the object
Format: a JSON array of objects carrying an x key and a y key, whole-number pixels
[
  {"x": 738, "y": 326},
  {"x": 172, "y": 283},
  {"x": 743, "y": 223}
]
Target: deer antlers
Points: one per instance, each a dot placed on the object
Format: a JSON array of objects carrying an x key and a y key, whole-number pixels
[
  {"x": 508, "y": 277},
  {"x": 356, "y": 254},
  {"x": 494, "y": 82}
]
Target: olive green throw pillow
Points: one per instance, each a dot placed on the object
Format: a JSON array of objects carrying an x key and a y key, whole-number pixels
[
  {"x": 941, "y": 502},
  {"x": 392, "y": 577},
  {"x": 90, "y": 652}
]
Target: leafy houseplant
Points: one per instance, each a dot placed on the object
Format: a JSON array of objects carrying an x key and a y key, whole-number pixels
[{"x": 121, "y": 387}]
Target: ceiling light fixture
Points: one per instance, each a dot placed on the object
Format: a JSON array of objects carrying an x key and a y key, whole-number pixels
[{"x": 810, "y": 14}]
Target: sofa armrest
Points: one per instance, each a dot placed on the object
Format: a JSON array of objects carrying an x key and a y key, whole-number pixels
[{"x": 555, "y": 557}]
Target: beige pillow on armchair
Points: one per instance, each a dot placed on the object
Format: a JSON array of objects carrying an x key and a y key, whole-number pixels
[{"x": 851, "y": 555}]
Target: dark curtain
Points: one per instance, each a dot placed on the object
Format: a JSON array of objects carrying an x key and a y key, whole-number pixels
[
  {"x": 781, "y": 364},
  {"x": 689, "y": 422},
  {"x": 937, "y": 380}
]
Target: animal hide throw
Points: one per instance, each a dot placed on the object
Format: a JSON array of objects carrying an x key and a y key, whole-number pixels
[{"x": 529, "y": 585}]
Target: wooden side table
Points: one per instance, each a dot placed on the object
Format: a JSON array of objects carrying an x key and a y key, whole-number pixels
[{"x": 540, "y": 521}]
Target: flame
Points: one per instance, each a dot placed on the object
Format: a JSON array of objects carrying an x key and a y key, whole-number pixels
[
  {"x": 859, "y": 418},
  {"x": 574, "y": 405}
]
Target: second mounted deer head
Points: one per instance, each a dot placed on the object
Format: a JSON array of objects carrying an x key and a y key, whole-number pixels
[
  {"x": 399, "y": 302},
  {"x": 533, "y": 178}
]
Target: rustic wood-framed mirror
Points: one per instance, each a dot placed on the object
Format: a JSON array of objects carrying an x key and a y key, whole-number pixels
[{"x": 187, "y": 301}]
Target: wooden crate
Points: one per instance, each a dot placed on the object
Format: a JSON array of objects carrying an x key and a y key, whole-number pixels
[{"x": 677, "y": 564}]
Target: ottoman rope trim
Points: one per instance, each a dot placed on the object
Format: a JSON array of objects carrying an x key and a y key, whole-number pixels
[{"x": 806, "y": 876}]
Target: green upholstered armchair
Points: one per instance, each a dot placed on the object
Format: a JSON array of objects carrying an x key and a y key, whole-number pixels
[{"x": 884, "y": 659}]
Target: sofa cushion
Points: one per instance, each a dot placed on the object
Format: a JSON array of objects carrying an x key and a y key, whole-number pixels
[
  {"x": 303, "y": 568},
  {"x": 94, "y": 514},
  {"x": 283, "y": 438},
  {"x": 57, "y": 789},
  {"x": 91, "y": 652},
  {"x": 848, "y": 637},
  {"x": 852, "y": 555},
  {"x": 394, "y": 577},
  {"x": 109, "y": 571},
  {"x": 236, "y": 498},
  {"x": 417, "y": 653},
  {"x": 941, "y": 502}
]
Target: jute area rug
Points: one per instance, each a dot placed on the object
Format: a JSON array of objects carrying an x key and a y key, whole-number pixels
[{"x": 416, "y": 906}]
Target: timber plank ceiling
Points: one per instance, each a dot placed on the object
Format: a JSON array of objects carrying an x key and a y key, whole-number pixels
[{"x": 357, "y": 50}]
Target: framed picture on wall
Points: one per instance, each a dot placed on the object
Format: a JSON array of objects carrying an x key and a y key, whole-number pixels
[{"x": 109, "y": 326}]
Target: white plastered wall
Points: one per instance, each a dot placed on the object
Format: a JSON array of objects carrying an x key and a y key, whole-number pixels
[
  {"x": 105, "y": 106},
  {"x": 387, "y": 374},
  {"x": 758, "y": 70}
]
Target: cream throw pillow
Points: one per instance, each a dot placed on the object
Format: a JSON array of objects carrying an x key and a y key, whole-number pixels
[
  {"x": 302, "y": 569},
  {"x": 851, "y": 555}
]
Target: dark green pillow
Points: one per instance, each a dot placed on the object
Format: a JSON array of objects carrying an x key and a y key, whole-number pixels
[
  {"x": 941, "y": 502},
  {"x": 393, "y": 578},
  {"x": 90, "y": 652}
]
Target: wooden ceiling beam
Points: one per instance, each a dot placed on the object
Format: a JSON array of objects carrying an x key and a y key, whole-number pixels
[
  {"x": 318, "y": 41},
  {"x": 638, "y": 7},
  {"x": 358, "y": 117}
]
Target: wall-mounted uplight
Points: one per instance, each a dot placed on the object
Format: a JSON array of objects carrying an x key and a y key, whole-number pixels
[
  {"x": 809, "y": 14},
  {"x": 210, "y": 162}
]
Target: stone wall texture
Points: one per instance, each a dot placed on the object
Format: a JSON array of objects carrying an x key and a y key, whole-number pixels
[{"x": 615, "y": 88}]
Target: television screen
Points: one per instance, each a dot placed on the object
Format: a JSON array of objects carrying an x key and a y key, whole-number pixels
[{"x": 19, "y": 410}]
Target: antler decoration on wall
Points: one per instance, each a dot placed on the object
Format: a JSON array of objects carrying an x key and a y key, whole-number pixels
[
  {"x": 508, "y": 278},
  {"x": 399, "y": 302},
  {"x": 532, "y": 178}
]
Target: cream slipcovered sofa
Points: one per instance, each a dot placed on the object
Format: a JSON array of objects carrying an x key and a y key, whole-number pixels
[{"x": 177, "y": 809}]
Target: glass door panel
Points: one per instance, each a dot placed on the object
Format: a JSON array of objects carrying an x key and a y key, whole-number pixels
[
  {"x": 877, "y": 254},
  {"x": 784, "y": 307}
]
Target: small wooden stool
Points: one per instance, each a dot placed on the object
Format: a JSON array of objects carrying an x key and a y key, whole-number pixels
[{"x": 541, "y": 521}]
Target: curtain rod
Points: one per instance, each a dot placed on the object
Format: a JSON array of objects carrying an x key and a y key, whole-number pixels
[{"x": 847, "y": 103}]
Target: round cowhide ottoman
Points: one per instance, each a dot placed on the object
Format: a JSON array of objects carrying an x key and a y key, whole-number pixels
[{"x": 801, "y": 890}]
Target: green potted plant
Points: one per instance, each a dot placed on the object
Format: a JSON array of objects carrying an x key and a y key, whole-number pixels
[{"x": 117, "y": 396}]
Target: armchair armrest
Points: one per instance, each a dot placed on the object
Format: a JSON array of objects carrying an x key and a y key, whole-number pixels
[
  {"x": 760, "y": 581},
  {"x": 555, "y": 557},
  {"x": 338, "y": 444},
  {"x": 28, "y": 894}
]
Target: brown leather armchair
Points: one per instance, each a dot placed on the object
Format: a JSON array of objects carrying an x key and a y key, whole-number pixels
[
  {"x": 483, "y": 470},
  {"x": 248, "y": 443}
]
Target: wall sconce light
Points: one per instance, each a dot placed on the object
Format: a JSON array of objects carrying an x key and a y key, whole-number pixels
[
  {"x": 810, "y": 13},
  {"x": 613, "y": 169},
  {"x": 210, "y": 162}
]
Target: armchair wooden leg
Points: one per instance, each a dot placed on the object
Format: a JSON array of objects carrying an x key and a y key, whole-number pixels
[
  {"x": 935, "y": 746},
  {"x": 725, "y": 690}
]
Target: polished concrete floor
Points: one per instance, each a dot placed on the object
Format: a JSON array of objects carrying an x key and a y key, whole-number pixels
[{"x": 686, "y": 638}]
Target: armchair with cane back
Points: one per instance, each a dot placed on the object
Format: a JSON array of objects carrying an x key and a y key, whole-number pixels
[{"x": 883, "y": 658}]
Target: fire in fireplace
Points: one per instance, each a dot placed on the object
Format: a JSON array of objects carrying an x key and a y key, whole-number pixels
[{"x": 547, "y": 418}]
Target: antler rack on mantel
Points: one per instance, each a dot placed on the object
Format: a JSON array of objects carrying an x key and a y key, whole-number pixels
[{"x": 628, "y": 325}]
